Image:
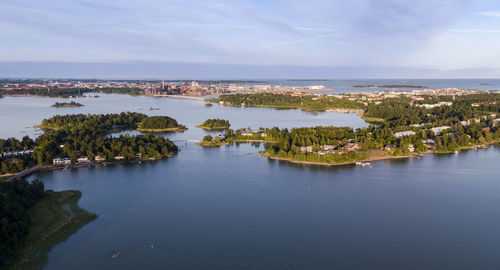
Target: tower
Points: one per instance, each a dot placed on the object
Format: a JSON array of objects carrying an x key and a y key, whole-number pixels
[{"x": 163, "y": 81}]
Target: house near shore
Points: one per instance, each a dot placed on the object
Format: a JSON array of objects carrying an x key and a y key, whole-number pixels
[
  {"x": 429, "y": 143},
  {"x": 83, "y": 160},
  {"x": 119, "y": 157},
  {"x": 329, "y": 147},
  {"x": 61, "y": 161},
  {"x": 306, "y": 149},
  {"x": 352, "y": 146},
  {"x": 100, "y": 158},
  {"x": 390, "y": 148}
]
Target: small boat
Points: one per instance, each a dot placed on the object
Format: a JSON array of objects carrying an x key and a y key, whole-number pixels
[
  {"x": 363, "y": 164},
  {"x": 139, "y": 162},
  {"x": 116, "y": 254},
  {"x": 456, "y": 152}
]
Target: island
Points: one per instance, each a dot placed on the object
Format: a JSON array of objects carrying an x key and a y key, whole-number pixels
[
  {"x": 66, "y": 104},
  {"x": 42, "y": 218},
  {"x": 159, "y": 124},
  {"x": 309, "y": 102},
  {"x": 214, "y": 124}
]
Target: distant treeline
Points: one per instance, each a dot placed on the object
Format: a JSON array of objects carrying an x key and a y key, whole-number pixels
[{"x": 68, "y": 92}]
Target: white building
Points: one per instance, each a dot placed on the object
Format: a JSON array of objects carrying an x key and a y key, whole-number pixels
[
  {"x": 61, "y": 161},
  {"x": 438, "y": 130},
  {"x": 403, "y": 134}
]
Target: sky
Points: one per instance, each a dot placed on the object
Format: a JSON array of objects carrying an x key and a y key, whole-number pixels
[{"x": 250, "y": 39}]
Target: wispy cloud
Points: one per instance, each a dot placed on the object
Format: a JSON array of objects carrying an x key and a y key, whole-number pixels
[
  {"x": 476, "y": 30},
  {"x": 490, "y": 13},
  {"x": 288, "y": 42}
]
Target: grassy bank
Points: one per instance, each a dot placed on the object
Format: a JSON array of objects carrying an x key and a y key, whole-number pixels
[{"x": 53, "y": 220}]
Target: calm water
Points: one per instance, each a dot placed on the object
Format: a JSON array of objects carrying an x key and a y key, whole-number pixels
[
  {"x": 228, "y": 208},
  {"x": 345, "y": 86}
]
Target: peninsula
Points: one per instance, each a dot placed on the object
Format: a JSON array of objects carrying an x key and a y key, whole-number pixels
[
  {"x": 410, "y": 124},
  {"x": 41, "y": 220},
  {"x": 83, "y": 139}
]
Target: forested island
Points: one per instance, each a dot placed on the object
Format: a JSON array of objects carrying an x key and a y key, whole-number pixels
[
  {"x": 288, "y": 101},
  {"x": 66, "y": 104},
  {"x": 214, "y": 124},
  {"x": 407, "y": 127},
  {"x": 33, "y": 220},
  {"x": 77, "y": 138},
  {"x": 159, "y": 124}
]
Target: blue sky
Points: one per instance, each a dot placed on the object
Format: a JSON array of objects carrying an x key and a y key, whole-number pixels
[{"x": 429, "y": 38}]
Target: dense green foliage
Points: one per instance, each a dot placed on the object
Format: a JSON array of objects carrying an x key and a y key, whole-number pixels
[
  {"x": 215, "y": 124},
  {"x": 159, "y": 122},
  {"x": 66, "y": 104},
  {"x": 86, "y": 135},
  {"x": 77, "y": 135},
  {"x": 306, "y": 102},
  {"x": 16, "y": 198},
  {"x": 400, "y": 111}
]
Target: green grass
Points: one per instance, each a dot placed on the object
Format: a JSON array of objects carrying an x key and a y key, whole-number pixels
[
  {"x": 374, "y": 120},
  {"x": 53, "y": 220}
]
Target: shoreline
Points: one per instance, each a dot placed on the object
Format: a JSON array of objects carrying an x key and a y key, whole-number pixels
[
  {"x": 55, "y": 217},
  {"x": 160, "y": 130},
  {"x": 36, "y": 169},
  {"x": 209, "y": 128},
  {"x": 416, "y": 155},
  {"x": 341, "y": 163}
]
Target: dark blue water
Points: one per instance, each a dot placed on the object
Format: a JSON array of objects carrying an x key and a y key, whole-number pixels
[{"x": 229, "y": 208}]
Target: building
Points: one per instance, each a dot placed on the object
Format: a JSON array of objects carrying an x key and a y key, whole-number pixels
[
  {"x": 403, "y": 134},
  {"x": 438, "y": 130},
  {"x": 306, "y": 149},
  {"x": 431, "y": 106},
  {"x": 61, "y": 161},
  {"x": 390, "y": 148},
  {"x": 119, "y": 157},
  {"x": 83, "y": 160},
  {"x": 352, "y": 146},
  {"x": 100, "y": 158}
]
